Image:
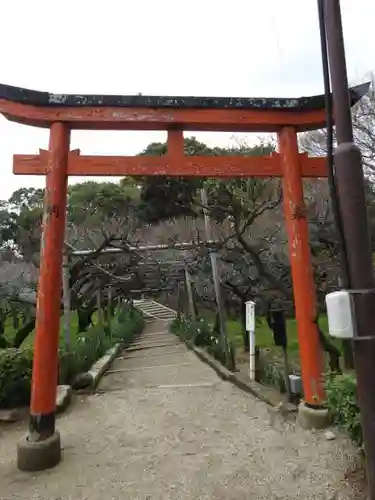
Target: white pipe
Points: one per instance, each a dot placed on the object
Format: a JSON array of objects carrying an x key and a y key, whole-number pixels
[{"x": 252, "y": 354}]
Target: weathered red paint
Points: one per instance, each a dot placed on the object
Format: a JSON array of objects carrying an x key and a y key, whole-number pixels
[
  {"x": 45, "y": 364},
  {"x": 175, "y": 144},
  {"x": 171, "y": 165},
  {"x": 303, "y": 281},
  {"x": 57, "y": 163},
  {"x": 108, "y": 118}
]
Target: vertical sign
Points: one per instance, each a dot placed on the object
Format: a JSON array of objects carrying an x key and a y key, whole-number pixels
[{"x": 250, "y": 316}]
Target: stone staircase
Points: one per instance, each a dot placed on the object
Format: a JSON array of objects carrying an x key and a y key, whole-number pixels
[{"x": 154, "y": 310}]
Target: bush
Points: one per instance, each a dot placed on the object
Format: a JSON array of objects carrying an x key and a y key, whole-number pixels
[
  {"x": 87, "y": 347},
  {"x": 78, "y": 357},
  {"x": 197, "y": 332},
  {"x": 341, "y": 394},
  {"x": 201, "y": 334},
  {"x": 93, "y": 343},
  {"x": 15, "y": 377},
  {"x": 126, "y": 325}
]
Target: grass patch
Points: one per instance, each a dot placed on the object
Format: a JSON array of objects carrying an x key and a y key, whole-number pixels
[
  {"x": 270, "y": 358},
  {"x": 264, "y": 336}
]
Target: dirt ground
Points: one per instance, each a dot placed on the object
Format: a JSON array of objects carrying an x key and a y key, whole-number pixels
[{"x": 163, "y": 426}]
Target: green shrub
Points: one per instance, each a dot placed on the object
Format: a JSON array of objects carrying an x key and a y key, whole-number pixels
[
  {"x": 200, "y": 333},
  {"x": 126, "y": 326},
  {"x": 86, "y": 349},
  {"x": 273, "y": 375},
  {"x": 125, "y": 311},
  {"x": 93, "y": 343},
  {"x": 341, "y": 394},
  {"x": 78, "y": 357},
  {"x": 15, "y": 377}
]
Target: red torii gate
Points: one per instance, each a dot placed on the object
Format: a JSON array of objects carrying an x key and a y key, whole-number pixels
[{"x": 62, "y": 113}]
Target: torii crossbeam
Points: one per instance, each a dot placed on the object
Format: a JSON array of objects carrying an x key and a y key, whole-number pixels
[{"x": 62, "y": 113}]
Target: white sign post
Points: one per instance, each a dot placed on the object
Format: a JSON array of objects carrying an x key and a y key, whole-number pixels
[{"x": 250, "y": 327}]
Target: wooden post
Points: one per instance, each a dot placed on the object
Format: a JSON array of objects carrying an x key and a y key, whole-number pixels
[
  {"x": 311, "y": 354},
  {"x": 215, "y": 276},
  {"x": 99, "y": 307},
  {"x": 109, "y": 305},
  {"x": 45, "y": 364},
  {"x": 190, "y": 293}
]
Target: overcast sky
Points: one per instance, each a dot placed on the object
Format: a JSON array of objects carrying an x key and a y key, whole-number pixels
[{"x": 163, "y": 47}]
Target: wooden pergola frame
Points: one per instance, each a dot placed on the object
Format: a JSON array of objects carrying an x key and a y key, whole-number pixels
[{"x": 62, "y": 113}]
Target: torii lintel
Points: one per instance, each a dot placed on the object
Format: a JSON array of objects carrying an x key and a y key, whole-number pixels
[{"x": 116, "y": 112}]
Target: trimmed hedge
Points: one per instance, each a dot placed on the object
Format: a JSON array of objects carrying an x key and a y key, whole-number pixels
[{"x": 16, "y": 364}]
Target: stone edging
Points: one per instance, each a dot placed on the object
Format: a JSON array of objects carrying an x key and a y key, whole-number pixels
[
  {"x": 92, "y": 377},
  {"x": 100, "y": 366},
  {"x": 250, "y": 386}
]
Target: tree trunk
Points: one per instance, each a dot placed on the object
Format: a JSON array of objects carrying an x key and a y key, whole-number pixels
[
  {"x": 216, "y": 329},
  {"x": 84, "y": 319},
  {"x": 332, "y": 351},
  {"x": 15, "y": 317},
  {"x": 196, "y": 309},
  {"x": 180, "y": 309},
  {"x": 2, "y": 321},
  {"x": 23, "y": 333},
  {"x": 190, "y": 294},
  {"x": 28, "y": 316},
  {"x": 99, "y": 307},
  {"x": 109, "y": 305}
]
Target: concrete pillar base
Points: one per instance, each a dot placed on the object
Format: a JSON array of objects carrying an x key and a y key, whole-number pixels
[
  {"x": 312, "y": 418},
  {"x": 40, "y": 455}
]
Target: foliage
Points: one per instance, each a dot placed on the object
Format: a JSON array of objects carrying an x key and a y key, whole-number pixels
[
  {"x": 270, "y": 370},
  {"x": 96, "y": 201},
  {"x": 341, "y": 394},
  {"x": 93, "y": 343},
  {"x": 201, "y": 334},
  {"x": 166, "y": 197},
  {"x": 15, "y": 376},
  {"x": 128, "y": 324},
  {"x": 88, "y": 346},
  {"x": 197, "y": 332}
]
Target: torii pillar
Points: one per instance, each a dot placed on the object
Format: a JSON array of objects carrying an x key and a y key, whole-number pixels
[
  {"x": 42, "y": 433},
  {"x": 62, "y": 113}
]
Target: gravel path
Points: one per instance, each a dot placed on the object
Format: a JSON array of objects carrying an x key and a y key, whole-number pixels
[{"x": 160, "y": 431}]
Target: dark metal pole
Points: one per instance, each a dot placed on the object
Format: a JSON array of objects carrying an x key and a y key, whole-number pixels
[
  {"x": 351, "y": 193},
  {"x": 343, "y": 278}
]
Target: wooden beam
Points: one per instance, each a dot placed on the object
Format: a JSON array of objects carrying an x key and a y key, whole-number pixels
[
  {"x": 189, "y": 166},
  {"x": 190, "y": 119},
  {"x": 116, "y": 112},
  {"x": 184, "y": 245}
]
